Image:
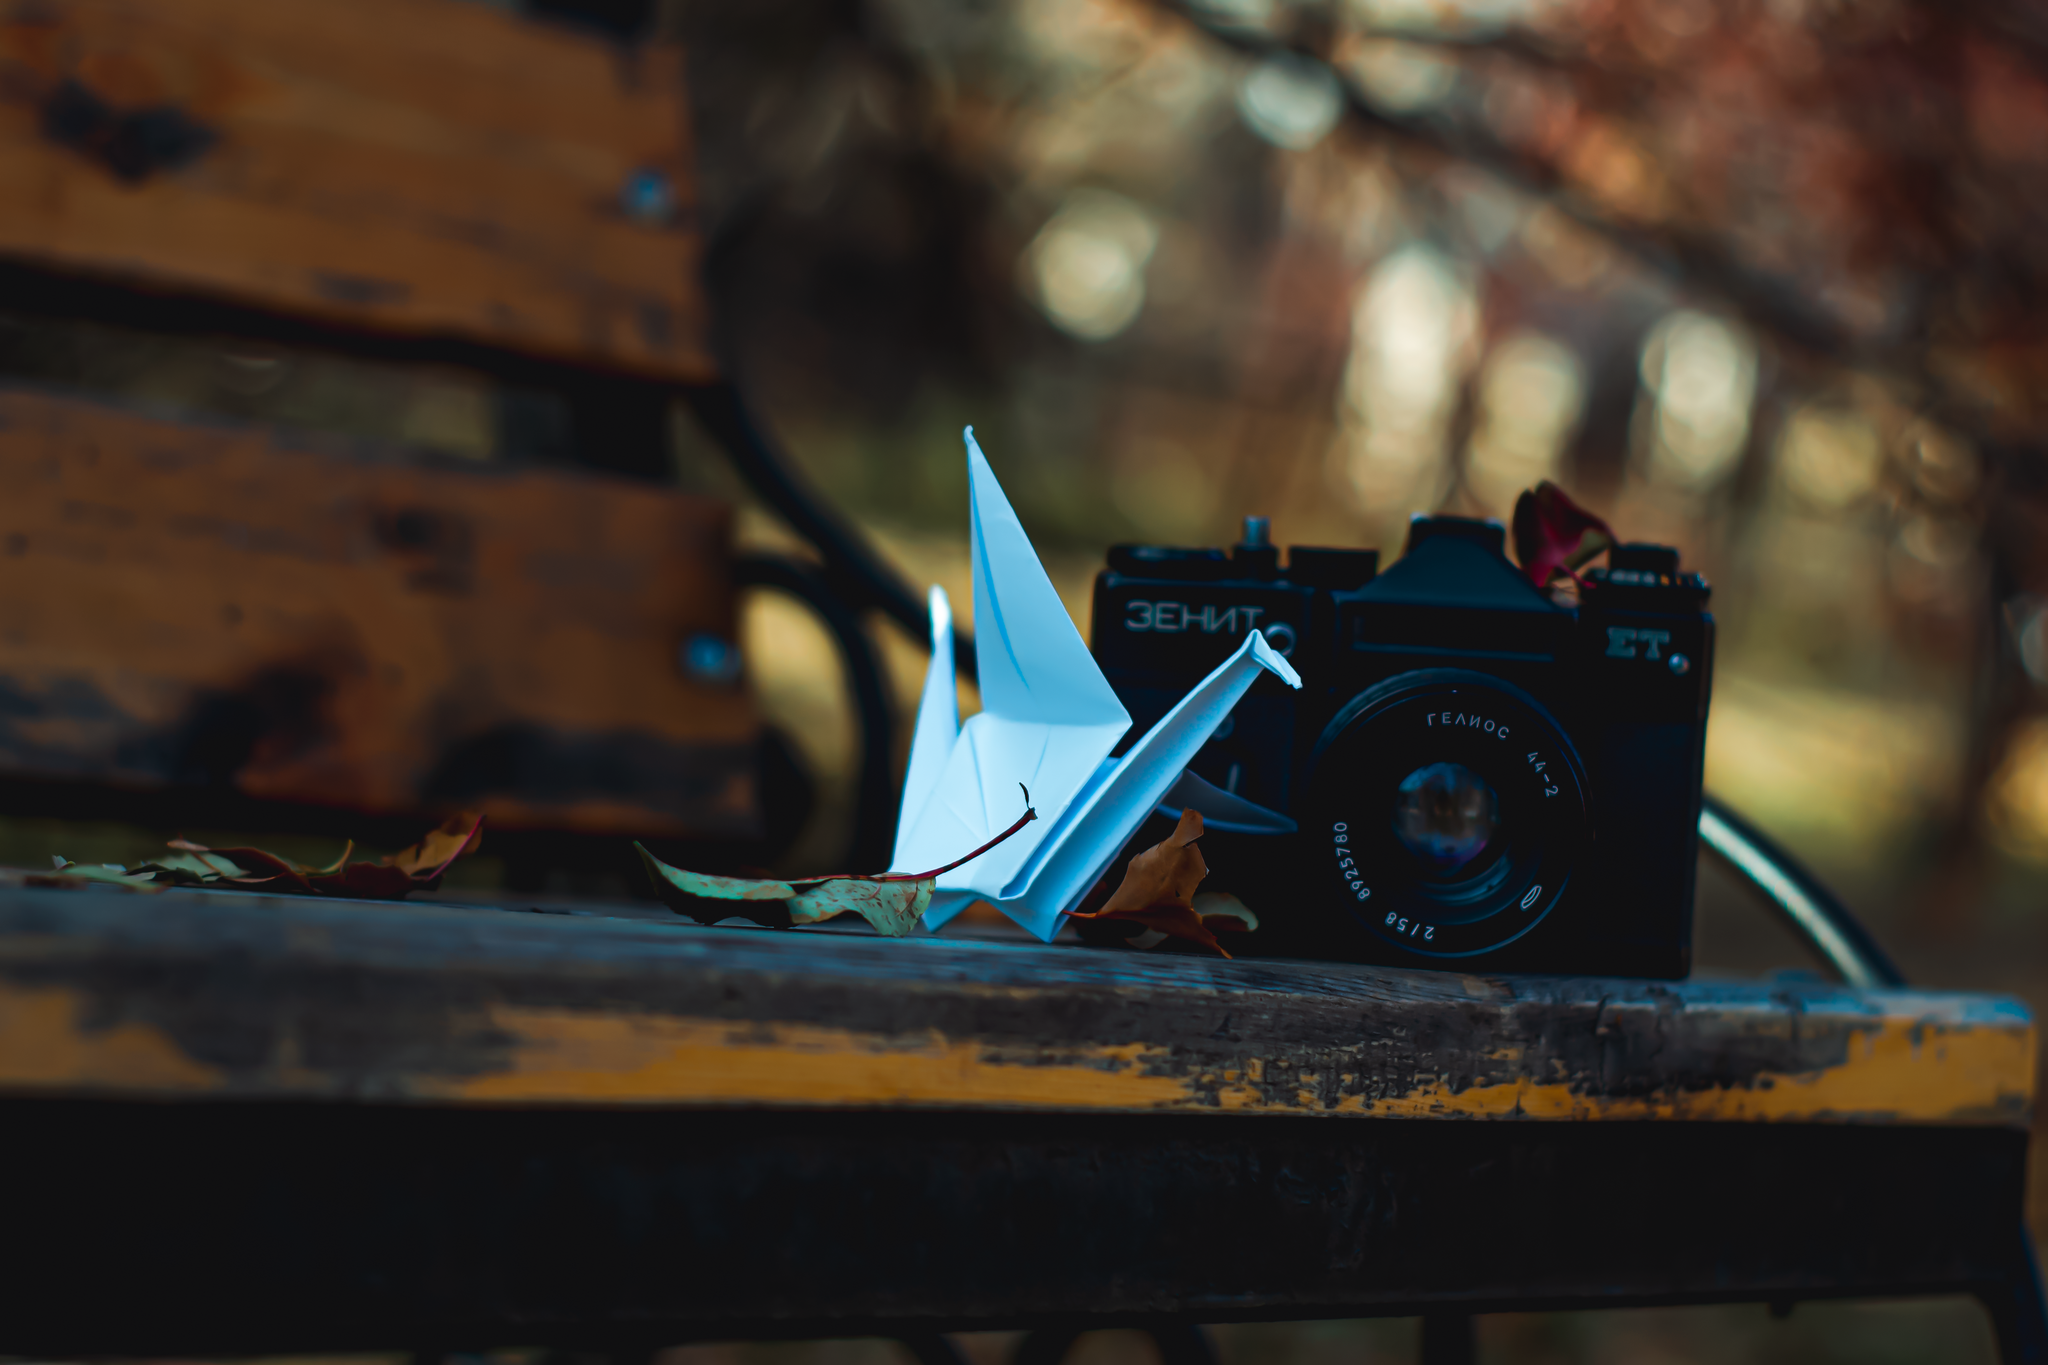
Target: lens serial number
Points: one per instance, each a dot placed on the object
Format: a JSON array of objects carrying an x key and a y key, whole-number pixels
[{"x": 1347, "y": 862}]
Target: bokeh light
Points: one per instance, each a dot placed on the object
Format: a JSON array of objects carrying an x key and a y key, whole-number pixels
[
  {"x": 1402, "y": 77},
  {"x": 1087, "y": 265},
  {"x": 1830, "y": 458},
  {"x": 2019, "y": 794},
  {"x": 1700, "y": 374},
  {"x": 1412, "y": 333},
  {"x": 1531, "y": 391},
  {"x": 1290, "y": 102}
]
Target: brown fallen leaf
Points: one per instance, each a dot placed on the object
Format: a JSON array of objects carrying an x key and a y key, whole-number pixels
[
  {"x": 419, "y": 868},
  {"x": 458, "y": 837},
  {"x": 1554, "y": 535},
  {"x": 892, "y": 902},
  {"x": 1158, "y": 892}
]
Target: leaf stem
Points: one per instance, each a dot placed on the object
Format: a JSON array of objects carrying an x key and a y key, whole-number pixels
[{"x": 1026, "y": 818}]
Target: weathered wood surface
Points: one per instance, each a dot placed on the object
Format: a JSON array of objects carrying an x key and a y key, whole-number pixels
[
  {"x": 200, "y": 1231},
  {"x": 193, "y": 995},
  {"x": 425, "y": 167},
  {"x": 218, "y": 606}
]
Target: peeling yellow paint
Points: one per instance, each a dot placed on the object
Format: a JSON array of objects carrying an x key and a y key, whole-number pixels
[
  {"x": 572, "y": 1057},
  {"x": 1974, "y": 1075},
  {"x": 45, "y": 1042},
  {"x": 1898, "y": 1069}
]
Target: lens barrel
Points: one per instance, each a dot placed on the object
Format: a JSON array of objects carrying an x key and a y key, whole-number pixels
[{"x": 1444, "y": 810}]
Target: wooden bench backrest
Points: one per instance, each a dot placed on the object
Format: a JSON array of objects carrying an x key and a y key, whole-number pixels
[
  {"x": 189, "y": 603},
  {"x": 418, "y": 167}
]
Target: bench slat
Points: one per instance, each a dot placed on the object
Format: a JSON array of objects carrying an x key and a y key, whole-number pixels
[
  {"x": 210, "y": 996},
  {"x": 418, "y": 167},
  {"x": 185, "y": 602}
]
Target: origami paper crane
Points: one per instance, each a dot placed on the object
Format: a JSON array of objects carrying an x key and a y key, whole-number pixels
[{"x": 1048, "y": 721}]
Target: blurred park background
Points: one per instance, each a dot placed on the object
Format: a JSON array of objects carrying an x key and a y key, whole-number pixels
[{"x": 1761, "y": 278}]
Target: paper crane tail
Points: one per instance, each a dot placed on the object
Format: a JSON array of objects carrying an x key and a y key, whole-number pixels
[{"x": 938, "y": 725}]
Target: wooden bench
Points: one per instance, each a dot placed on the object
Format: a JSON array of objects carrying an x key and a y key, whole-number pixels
[
  {"x": 210, "y": 622},
  {"x": 238, "y": 1123},
  {"x": 270, "y": 1124},
  {"x": 424, "y": 169}
]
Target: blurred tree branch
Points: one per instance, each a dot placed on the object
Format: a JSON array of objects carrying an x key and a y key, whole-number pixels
[
  {"x": 1772, "y": 303},
  {"x": 1698, "y": 261}
]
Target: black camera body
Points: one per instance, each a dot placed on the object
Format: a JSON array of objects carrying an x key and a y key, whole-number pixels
[{"x": 1482, "y": 777}]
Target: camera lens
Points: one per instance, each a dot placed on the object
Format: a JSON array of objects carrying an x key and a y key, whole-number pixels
[
  {"x": 1445, "y": 815},
  {"x": 1445, "y": 810}
]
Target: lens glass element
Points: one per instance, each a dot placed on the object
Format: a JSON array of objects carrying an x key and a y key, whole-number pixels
[{"x": 1445, "y": 815}]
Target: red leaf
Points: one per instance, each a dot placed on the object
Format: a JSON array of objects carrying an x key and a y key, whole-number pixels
[{"x": 1554, "y": 535}]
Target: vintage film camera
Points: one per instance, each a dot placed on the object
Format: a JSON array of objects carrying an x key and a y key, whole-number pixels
[{"x": 1481, "y": 776}]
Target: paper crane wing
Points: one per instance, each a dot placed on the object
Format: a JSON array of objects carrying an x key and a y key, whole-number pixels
[
  {"x": 1221, "y": 809},
  {"x": 1049, "y": 721},
  {"x": 1124, "y": 791},
  {"x": 1048, "y": 716}
]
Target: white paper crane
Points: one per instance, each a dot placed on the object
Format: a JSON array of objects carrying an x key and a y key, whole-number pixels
[{"x": 1048, "y": 721}]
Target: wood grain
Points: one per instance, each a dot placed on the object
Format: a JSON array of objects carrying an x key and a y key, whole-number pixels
[
  {"x": 191, "y": 603},
  {"x": 188, "y": 994},
  {"x": 426, "y": 167}
]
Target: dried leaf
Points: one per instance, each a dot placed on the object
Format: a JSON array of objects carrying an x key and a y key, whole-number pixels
[
  {"x": 705, "y": 886},
  {"x": 1221, "y": 910},
  {"x": 893, "y": 902},
  {"x": 707, "y": 899},
  {"x": 251, "y": 867},
  {"x": 202, "y": 862},
  {"x": 372, "y": 881},
  {"x": 1554, "y": 535},
  {"x": 430, "y": 857},
  {"x": 419, "y": 868},
  {"x": 1158, "y": 891},
  {"x": 1165, "y": 874},
  {"x": 893, "y": 907},
  {"x": 70, "y": 876},
  {"x": 182, "y": 869}
]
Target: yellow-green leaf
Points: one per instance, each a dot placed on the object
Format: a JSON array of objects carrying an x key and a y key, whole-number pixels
[
  {"x": 894, "y": 908},
  {"x": 705, "y": 886}
]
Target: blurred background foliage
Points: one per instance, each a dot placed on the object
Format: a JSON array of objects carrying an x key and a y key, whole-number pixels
[{"x": 1761, "y": 278}]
